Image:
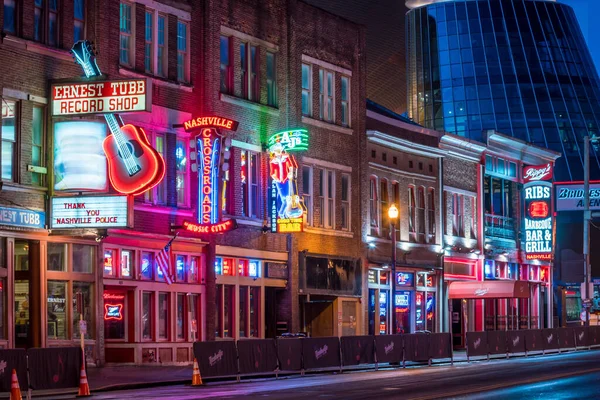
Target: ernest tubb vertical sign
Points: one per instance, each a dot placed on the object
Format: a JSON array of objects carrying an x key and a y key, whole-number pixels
[{"x": 537, "y": 191}]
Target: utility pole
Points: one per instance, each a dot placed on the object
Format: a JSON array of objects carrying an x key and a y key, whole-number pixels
[{"x": 586, "y": 227}]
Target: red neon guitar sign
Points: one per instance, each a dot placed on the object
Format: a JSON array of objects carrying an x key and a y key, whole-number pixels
[{"x": 134, "y": 166}]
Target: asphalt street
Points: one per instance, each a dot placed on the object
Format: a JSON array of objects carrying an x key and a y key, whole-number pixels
[{"x": 564, "y": 376}]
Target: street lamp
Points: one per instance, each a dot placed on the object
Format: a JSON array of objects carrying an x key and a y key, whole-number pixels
[{"x": 393, "y": 215}]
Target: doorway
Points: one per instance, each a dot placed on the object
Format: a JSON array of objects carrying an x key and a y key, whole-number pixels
[{"x": 27, "y": 293}]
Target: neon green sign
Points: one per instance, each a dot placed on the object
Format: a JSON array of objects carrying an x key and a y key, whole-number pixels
[{"x": 290, "y": 140}]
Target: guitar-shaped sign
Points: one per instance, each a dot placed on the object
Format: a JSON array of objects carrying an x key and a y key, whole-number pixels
[{"x": 134, "y": 166}]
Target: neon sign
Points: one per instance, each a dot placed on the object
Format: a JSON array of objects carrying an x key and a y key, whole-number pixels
[
  {"x": 210, "y": 122},
  {"x": 538, "y": 212},
  {"x": 295, "y": 139},
  {"x": 90, "y": 212},
  {"x": 210, "y": 228},
  {"x": 209, "y": 147},
  {"x": 113, "y": 311},
  {"x": 287, "y": 208}
]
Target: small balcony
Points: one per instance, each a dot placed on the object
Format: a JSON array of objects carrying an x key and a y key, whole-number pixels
[{"x": 499, "y": 227}]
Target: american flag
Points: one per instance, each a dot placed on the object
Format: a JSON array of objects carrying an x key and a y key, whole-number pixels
[{"x": 164, "y": 261}]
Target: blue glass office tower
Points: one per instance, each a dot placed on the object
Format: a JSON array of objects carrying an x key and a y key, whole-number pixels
[{"x": 520, "y": 67}]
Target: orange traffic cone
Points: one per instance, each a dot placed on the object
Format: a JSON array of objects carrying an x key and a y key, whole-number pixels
[
  {"x": 15, "y": 389},
  {"x": 196, "y": 378},
  {"x": 84, "y": 388}
]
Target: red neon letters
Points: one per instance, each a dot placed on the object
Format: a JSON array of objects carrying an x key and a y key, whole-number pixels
[
  {"x": 210, "y": 228},
  {"x": 207, "y": 189}
]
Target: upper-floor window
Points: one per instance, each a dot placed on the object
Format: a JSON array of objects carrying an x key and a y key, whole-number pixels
[
  {"x": 412, "y": 213},
  {"x": 10, "y": 130},
  {"x": 226, "y": 190},
  {"x": 457, "y": 215},
  {"x": 11, "y": 19},
  {"x": 345, "y": 98},
  {"x": 431, "y": 213},
  {"x": 78, "y": 20},
  {"x": 373, "y": 205},
  {"x": 181, "y": 166},
  {"x": 37, "y": 144},
  {"x": 183, "y": 74},
  {"x": 498, "y": 196},
  {"x": 126, "y": 39},
  {"x": 158, "y": 194},
  {"x": 45, "y": 27},
  {"x": 327, "y": 198},
  {"x": 307, "y": 192},
  {"x": 383, "y": 207},
  {"x": 396, "y": 201},
  {"x": 249, "y": 178},
  {"x": 500, "y": 166},
  {"x": 155, "y": 59},
  {"x": 226, "y": 65},
  {"x": 472, "y": 201},
  {"x": 345, "y": 208},
  {"x": 421, "y": 213},
  {"x": 271, "y": 80},
  {"x": 249, "y": 71},
  {"x": 306, "y": 89},
  {"x": 326, "y": 95}
]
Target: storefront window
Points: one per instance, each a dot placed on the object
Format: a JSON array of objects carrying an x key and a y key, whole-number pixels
[
  {"x": 243, "y": 310},
  {"x": 57, "y": 260},
  {"x": 430, "y": 311},
  {"x": 147, "y": 265},
  {"x": 147, "y": 299},
  {"x": 218, "y": 266},
  {"x": 180, "y": 315},
  {"x": 194, "y": 272},
  {"x": 242, "y": 267},
  {"x": 163, "y": 315},
  {"x": 57, "y": 310},
  {"x": 126, "y": 263},
  {"x": 227, "y": 266},
  {"x": 383, "y": 308},
  {"x": 228, "y": 310},
  {"x": 109, "y": 266},
  {"x": 114, "y": 315},
  {"x": 21, "y": 311},
  {"x": 83, "y": 291},
  {"x": 402, "y": 305},
  {"x": 254, "y": 314},
  {"x": 419, "y": 314},
  {"x": 83, "y": 258},
  {"x": 254, "y": 269},
  {"x": 195, "y": 317},
  {"x": 180, "y": 268},
  {"x": 218, "y": 314}
]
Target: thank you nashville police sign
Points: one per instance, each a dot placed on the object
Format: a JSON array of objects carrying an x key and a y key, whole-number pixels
[
  {"x": 538, "y": 212},
  {"x": 90, "y": 212}
]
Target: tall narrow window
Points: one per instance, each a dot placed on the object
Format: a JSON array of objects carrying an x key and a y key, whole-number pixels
[
  {"x": 45, "y": 20},
  {"x": 163, "y": 315},
  {"x": 326, "y": 88},
  {"x": 412, "y": 213},
  {"x": 244, "y": 182},
  {"x": 384, "y": 206},
  {"x": 243, "y": 322},
  {"x": 345, "y": 94},
  {"x": 306, "y": 90},
  {"x": 182, "y": 52},
  {"x": 373, "y": 205},
  {"x": 330, "y": 199},
  {"x": 249, "y": 179},
  {"x": 147, "y": 314},
  {"x": 226, "y": 191},
  {"x": 307, "y": 193},
  {"x": 345, "y": 209},
  {"x": 10, "y": 16},
  {"x": 147, "y": 265},
  {"x": 78, "y": 20},
  {"x": 254, "y": 190},
  {"x": 421, "y": 214},
  {"x": 160, "y": 189},
  {"x": 254, "y": 93},
  {"x": 254, "y": 311},
  {"x": 473, "y": 202},
  {"x": 161, "y": 56},
  {"x": 396, "y": 201},
  {"x": 271, "y": 80},
  {"x": 457, "y": 215},
  {"x": 37, "y": 144},
  {"x": 219, "y": 311},
  {"x": 431, "y": 214},
  {"x": 126, "y": 38},
  {"x": 149, "y": 37},
  {"x": 181, "y": 316},
  {"x": 322, "y": 188},
  {"x": 181, "y": 166},
  {"x": 38, "y": 20},
  {"x": 10, "y": 118},
  {"x": 244, "y": 69},
  {"x": 228, "y": 310},
  {"x": 226, "y": 70}
]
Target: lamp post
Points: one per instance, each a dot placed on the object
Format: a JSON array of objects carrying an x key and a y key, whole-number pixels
[{"x": 393, "y": 215}]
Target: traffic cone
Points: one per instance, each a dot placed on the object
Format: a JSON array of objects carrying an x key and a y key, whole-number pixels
[
  {"x": 84, "y": 388},
  {"x": 196, "y": 378},
  {"x": 15, "y": 389}
]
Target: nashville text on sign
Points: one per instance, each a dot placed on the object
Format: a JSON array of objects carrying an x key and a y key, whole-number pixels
[{"x": 210, "y": 122}]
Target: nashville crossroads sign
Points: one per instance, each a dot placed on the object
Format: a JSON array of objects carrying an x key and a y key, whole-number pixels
[{"x": 101, "y": 97}]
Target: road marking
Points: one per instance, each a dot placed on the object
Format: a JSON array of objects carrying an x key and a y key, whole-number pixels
[{"x": 506, "y": 385}]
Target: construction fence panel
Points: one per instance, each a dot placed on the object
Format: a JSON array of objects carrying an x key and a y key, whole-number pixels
[
  {"x": 216, "y": 358},
  {"x": 54, "y": 367},
  {"x": 257, "y": 356}
]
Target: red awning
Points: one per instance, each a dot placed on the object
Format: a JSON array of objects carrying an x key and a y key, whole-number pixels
[{"x": 489, "y": 290}]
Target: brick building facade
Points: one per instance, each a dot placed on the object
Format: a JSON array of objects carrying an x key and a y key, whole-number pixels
[{"x": 224, "y": 58}]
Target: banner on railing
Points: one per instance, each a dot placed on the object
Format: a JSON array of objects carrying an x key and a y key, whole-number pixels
[
  {"x": 581, "y": 336},
  {"x": 566, "y": 338},
  {"x": 440, "y": 345},
  {"x": 13, "y": 359},
  {"x": 289, "y": 353},
  {"x": 550, "y": 339},
  {"x": 321, "y": 352},
  {"x": 477, "y": 344},
  {"x": 594, "y": 335},
  {"x": 515, "y": 341},
  {"x": 496, "y": 342},
  {"x": 257, "y": 356},
  {"x": 217, "y": 358},
  {"x": 416, "y": 347},
  {"x": 54, "y": 367},
  {"x": 388, "y": 348},
  {"x": 357, "y": 350},
  {"x": 534, "y": 340}
]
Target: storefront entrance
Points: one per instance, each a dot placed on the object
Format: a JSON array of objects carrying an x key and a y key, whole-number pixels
[{"x": 27, "y": 293}]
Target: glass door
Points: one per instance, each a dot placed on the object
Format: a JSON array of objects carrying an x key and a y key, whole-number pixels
[
  {"x": 372, "y": 305},
  {"x": 22, "y": 298}
]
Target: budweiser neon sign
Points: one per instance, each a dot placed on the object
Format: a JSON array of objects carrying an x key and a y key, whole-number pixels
[{"x": 537, "y": 173}]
